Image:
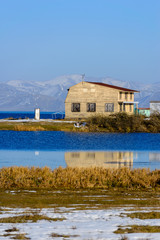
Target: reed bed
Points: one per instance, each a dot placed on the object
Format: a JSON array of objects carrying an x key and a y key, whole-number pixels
[{"x": 78, "y": 178}]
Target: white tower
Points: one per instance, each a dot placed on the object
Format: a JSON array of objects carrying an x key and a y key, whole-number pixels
[{"x": 37, "y": 114}]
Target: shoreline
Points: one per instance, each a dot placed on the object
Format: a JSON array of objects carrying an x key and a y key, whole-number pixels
[
  {"x": 51, "y": 125},
  {"x": 115, "y": 123},
  {"x": 36, "y": 125}
]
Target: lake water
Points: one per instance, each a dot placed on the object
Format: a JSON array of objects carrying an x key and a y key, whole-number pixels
[
  {"x": 31, "y": 115},
  {"x": 53, "y": 149}
]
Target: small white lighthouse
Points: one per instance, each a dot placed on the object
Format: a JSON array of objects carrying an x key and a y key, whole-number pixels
[{"x": 37, "y": 114}]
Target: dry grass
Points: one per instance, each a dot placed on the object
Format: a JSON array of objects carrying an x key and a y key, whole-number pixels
[
  {"x": 124, "y": 238},
  {"x": 81, "y": 199},
  {"x": 144, "y": 215},
  {"x": 56, "y": 235},
  {"x": 37, "y": 126},
  {"x": 138, "y": 229},
  {"x": 14, "y": 229},
  {"x": 20, "y": 236},
  {"x": 17, "y": 236},
  {"x": 28, "y": 128},
  {"x": 78, "y": 178},
  {"x": 28, "y": 218}
]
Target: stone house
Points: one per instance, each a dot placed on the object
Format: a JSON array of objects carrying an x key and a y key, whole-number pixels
[{"x": 87, "y": 98}]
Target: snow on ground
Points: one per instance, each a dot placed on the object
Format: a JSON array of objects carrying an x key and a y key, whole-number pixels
[{"x": 78, "y": 224}]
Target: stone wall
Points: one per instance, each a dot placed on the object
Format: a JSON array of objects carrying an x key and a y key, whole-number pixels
[{"x": 85, "y": 93}]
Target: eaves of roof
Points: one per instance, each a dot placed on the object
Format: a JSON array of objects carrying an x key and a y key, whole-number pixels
[{"x": 112, "y": 86}]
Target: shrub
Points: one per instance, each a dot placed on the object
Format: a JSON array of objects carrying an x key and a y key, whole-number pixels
[{"x": 119, "y": 122}]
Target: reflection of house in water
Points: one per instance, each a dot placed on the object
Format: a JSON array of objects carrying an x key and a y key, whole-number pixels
[
  {"x": 154, "y": 156},
  {"x": 99, "y": 159}
]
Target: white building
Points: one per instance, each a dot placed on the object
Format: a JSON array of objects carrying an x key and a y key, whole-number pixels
[{"x": 154, "y": 107}]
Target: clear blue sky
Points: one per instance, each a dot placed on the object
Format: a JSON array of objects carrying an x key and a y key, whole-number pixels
[{"x": 42, "y": 39}]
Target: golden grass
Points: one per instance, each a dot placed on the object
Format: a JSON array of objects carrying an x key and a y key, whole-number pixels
[
  {"x": 78, "y": 178},
  {"x": 28, "y": 128},
  {"x": 64, "y": 236},
  {"x": 138, "y": 229},
  {"x": 144, "y": 215},
  {"x": 37, "y": 126},
  {"x": 28, "y": 218},
  {"x": 17, "y": 236}
]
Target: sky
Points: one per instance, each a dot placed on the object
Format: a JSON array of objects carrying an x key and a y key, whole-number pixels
[{"x": 43, "y": 39}]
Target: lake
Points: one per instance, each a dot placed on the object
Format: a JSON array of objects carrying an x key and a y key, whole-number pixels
[
  {"x": 55, "y": 148},
  {"x": 31, "y": 115}
]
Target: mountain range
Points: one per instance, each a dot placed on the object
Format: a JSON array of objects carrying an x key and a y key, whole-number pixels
[{"x": 18, "y": 95}]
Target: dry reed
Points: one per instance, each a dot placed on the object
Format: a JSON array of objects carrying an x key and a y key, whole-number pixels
[
  {"x": 28, "y": 128},
  {"x": 78, "y": 178}
]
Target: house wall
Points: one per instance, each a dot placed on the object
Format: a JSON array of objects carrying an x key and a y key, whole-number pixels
[
  {"x": 85, "y": 92},
  {"x": 125, "y": 97},
  {"x": 154, "y": 107},
  {"x": 145, "y": 112}
]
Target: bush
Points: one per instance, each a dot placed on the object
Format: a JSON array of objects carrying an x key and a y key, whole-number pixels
[
  {"x": 153, "y": 124},
  {"x": 119, "y": 122}
]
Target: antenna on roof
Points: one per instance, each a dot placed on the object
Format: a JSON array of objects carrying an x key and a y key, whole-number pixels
[{"x": 83, "y": 76}]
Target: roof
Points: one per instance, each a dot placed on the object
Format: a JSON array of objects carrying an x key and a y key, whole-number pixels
[
  {"x": 112, "y": 86},
  {"x": 154, "y": 101},
  {"x": 144, "y": 108}
]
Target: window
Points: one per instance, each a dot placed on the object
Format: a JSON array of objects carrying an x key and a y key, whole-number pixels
[
  {"x": 126, "y": 96},
  {"x": 109, "y": 107},
  {"x": 75, "y": 107},
  {"x": 90, "y": 155},
  {"x": 130, "y": 107},
  {"x": 120, "y": 95},
  {"x": 91, "y": 107},
  {"x": 124, "y": 107},
  {"x": 120, "y": 107},
  {"x": 75, "y": 155},
  {"x": 131, "y": 96}
]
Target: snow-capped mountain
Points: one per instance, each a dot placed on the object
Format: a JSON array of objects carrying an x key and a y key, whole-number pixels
[{"x": 50, "y": 95}]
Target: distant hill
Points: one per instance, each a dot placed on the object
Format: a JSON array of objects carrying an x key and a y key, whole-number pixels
[{"x": 50, "y": 95}]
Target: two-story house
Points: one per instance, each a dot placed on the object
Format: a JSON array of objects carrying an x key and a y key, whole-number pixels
[{"x": 87, "y": 98}]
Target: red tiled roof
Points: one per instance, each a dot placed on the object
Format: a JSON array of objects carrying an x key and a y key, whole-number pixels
[
  {"x": 112, "y": 86},
  {"x": 144, "y": 108}
]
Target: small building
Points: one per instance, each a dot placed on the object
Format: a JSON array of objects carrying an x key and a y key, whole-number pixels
[
  {"x": 87, "y": 98},
  {"x": 144, "y": 111},
  {"x": 154, "y": 107}
]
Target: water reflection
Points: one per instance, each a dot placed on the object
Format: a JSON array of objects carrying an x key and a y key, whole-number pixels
[
  {"x": 154, "y": 156},
  {"x": 106, "y": 159},
  {"x": 99, "y": 159}
]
